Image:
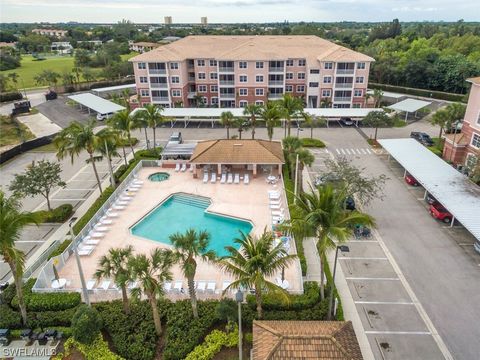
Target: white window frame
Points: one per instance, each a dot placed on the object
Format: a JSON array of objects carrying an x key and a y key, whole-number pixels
[
  {"x": 262, "y": 77},
  {"x": 204, "y": 76},
  {"x": 174, "y": 66},
  {"x": 240, "y": 78},
  {"x": 205, "y": 100},
  {"x": 213, "y": 88},
  {"x": 259, "y": 65},
  {"x": 213, "y": 62},
  {"x": 176, "y": 92},
  {"x": 360, "y": 79},
  {"x": 288, "y": 88},
  {"x": 259, "y": 102},
  {"x": 144, "y": 93},
  {"x": 213, "y": 76},
  {"x": 361, "y": 66},
  {"x": 327, "y": 79},
  {"x": 328, "y": 66},
  {"x": 302, "y": 87},
  {"x": 214, "y": 100},
  {"x": 315, "y": 71},
  {"x": 201, "y": 62},
  {"x": 142, "y": 66},
  {"x": 326, "y": 93},
  {"x": 260, "y": 92},
  {"x": 357, "y": 91},
  {"x": 356, "y": 106},
  {"x": 243, "y": 65},
  {"x": 289, "y": 76},
  {"x": 243, "y": 92},
  {"x": 243, "y": 103},
  {"x": 143, "y": 79},
  {"x": 475, "y": 141},
  {"x": 200, "y": 87},
  {"x": 175, "y": 79},
  {"x": 313, "y": 84},
  {"x": 302, "y": 62},
  {"x": 301, "y": 76},
  {"x": 289, "y": 62}
]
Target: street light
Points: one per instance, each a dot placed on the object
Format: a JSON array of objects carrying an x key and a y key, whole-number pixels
[
  {"x": 79, "y": 265},
  {"x": 239, "y": 300},
  {"x": 342, "y": 248}
]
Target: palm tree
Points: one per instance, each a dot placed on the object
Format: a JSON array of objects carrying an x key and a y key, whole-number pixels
[
  {"x": 305, "y": 157},
  {"x": 312, "y": 121},
  {"x": 187, "y": 247},
  {"x": 253, "y": 262},
  {"x": 141, "y": 122},
  {"x": 291, "y": 144},
  {"x": 320, "y": 213},
  {"x": 115, "y": 265},
  {"x": 122, "y": 121},
  {"x": 377, "y": 97},
  {"x": 153, "y": 116},
  {"x": 441, "y": 119},
  {"x": 291, "y": 106},
  {"x": 126, "y": 98},
  {"x": 242, "y": 125},
  {"x": 12, "y": 222},
  {"x": 325, "y": 103},
  {"x": 77, "y": 72},
  {"x": 252, "y": 110},
  {"x": 76, "y": 138},
  {"x": 226, "y": 119},
  {"x": 151, "y": 273},
  {"x": 270, "y": 113}
]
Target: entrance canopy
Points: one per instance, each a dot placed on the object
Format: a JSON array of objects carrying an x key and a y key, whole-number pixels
[
  {"x": 409, "y": 105},
  {"x": 452, "y": 189},
  {"x": 96, "y": 103}
]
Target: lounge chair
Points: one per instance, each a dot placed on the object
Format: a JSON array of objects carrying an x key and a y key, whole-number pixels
[
  {"x": 274, "y": 197},
  {"x": 136, "y": 181},
  {"x": 223, "y": 179},
  {"x": 135, "y": 186},
  {"x": 278, "y": 213},
  {"x": 246, "y": 179},
  {"x": 90, "y": 284},
  {"x": 214, "y": 178},
  {"x": 125, "y": 198},
  {"x": 132, "y": 285},
  {"x": 101, "y": 228},
  {"x": 95, "y": 234},
  {"x": 167, "y": 287},
  {"x": 205, "y": 177},
  {"x": 91, "y": 242},
  {"x": 178, "y": 286},
  {"x": 278, "y": 219},
  {"x": 122, "y": 203},
  {"x": 184, "y": 167},
  {"x": 86, "y": 252},
  {"x": 112, "y": 214},
  {"x": 133, "y": 189},
  {"x": 201, "y": 286},
  {"x": 237, "y": 179},
  {"x": 177, "y": 167},
  {"x": 105, "y": 221},
  {"x": 230, "y": 178},
  {"x": 211, "y": 286}
]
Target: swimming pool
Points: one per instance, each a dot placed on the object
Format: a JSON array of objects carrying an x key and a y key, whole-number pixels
[
  {"x": 181, "y": 212},
  {"x": 159, "y": 176}
]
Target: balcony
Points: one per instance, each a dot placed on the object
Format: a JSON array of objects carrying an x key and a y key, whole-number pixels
[
  {"x": 227, "y": 82},
  {"x": 275, "y": 96},
  {"x": 344, "y": 85},
  {"x": 227, "y": 96},
  {"x": 227, "y": 69},
  {"x": 157, "y": 71},
  {"x": 342, "y": 98},
  {"x": 160, "y": 99},
  {"x": 345, "y": 71},
  {"x": 158, "y": 85},
  {"x": 275, "y": 82},
  {"x": 191, "y": 78},
  {"x": 276, "y": 69}
]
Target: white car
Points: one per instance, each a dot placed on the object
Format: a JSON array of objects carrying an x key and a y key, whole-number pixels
[{"x": 102, "y": 117}]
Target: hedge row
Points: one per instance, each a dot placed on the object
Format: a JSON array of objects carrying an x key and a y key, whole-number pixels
[
  {"x": 98, "y": 350},
  {"x": 92, "y": 210},
  {"x": 60, "y": 249},
  {"x": 420, "y": 92},
  {"x": 57, "y": 215},
  {"x": 213, "y": 344},
  {"x": 10, "y": 96},
  {"x": 308, "y": 142}
]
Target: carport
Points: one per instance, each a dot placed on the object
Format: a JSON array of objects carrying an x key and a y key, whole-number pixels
[
  {"x": 389, "y": 96},
  {"x": 409, "y": 106},
  {"x": 453, "y": 190},
  {"x": 178, "y": 151},
  {"x": 96, "y": 103},
  {"x": 111, "y": 89}
]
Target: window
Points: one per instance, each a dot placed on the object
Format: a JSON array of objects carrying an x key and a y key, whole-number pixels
[
  {"x": 289, "y": 62},
  {"x": 328, "y": 66},
  {"x": 243, "y": 92},
  {"x": 314, "y": 71},
  {"x": 361, "y": 66},
  {"x": 200, "y": 62},
  {"x": 259, "y": 102},
  {"x": 144, "y": 92},
  {"x": 356, "y": 106},
  {"x": 242, "y": 65},
  {"x": 313, "y": 84},
  {"x": 243, "y": 103},
  {"x": 213, "y": 63},
  {"x": 302, "y": 62},
  {"x": 201, "y": 76},
  {"x": 243, "y": 78},
  {"x": 259, "y": 78},
  {"x": 289, "y": 76},
  {"x": 258, "y": 92},
  {"x": 142, "y": 65},
  {"x": 259, "y": 65},
  {"x": 300, "y": 88},
  {"x": 213, "y": 88},
  {"x": 175, "y": 79},
  {"x": 301, "y": 76},
  {"x": 358, "y": 93},
  {"x": 214, "y": 101},
  {"x": 327, "y": 79},
  {"x": 176, "y": 93},
  {"x": 202, "y": 88},
  {"x": 326, "y": 93},
  {"x": 288, "y": 88},
  {"x": 143, "y": 79},
  {"x": 476, "y": 141},
  {"x": 359, "y": 79},
  {"x": 174, "y": 66},
  {"x": 213, "y": 76}
]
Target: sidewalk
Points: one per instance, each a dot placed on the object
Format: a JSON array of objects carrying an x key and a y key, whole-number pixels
[{"x": 39, "y": 124}]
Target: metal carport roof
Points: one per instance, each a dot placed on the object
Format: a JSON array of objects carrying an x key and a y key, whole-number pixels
[
  {"x": 96, "y": 103},
  {"x": 453, "y": 190},
  {"x": 173, "y": 149},
  {"x": 409, "y": 105},
  {"x": 114, "y": 88}
]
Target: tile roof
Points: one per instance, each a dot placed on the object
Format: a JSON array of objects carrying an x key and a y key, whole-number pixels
[
  {"x": 290, "y": 340},
  {"x": 264, "y": 47},
  {"x": 235, "y": 151}
]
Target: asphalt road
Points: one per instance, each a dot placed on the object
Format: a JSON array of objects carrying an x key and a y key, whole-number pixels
[{"x": 63, "y": 114}]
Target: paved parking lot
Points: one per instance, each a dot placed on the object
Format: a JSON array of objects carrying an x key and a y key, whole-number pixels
[{"x": 63, "y": 114}]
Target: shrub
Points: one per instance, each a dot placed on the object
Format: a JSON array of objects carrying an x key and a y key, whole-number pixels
[
  {"x": 419, "y": 92},
  {"x": 120, "y": 171},
  {"x": 60, "y": 249},
  {"x": 435, "y": 150},
  {"x": 9, "y": 319},
  {"x": 93, "y": 209},
  {"x": 10, "y": 96},
  {"x": 98, "y": 350},
  {"x": 57, "y": 215},
  {"x": 148, "y": 154},
  {"x": 86, "y": 325},
  {"x": 307, "y": 142},
  {"x": 8, "y": 294},
  {"x": 124, "y": 142},
  {"x": 213, "y": 344}
]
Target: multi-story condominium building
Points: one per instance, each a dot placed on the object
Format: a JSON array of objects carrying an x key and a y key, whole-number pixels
[
  {"x": 464, "y": 148},
  {"x": 232, "y": 71},
  {"x": 50, "y": 32}
]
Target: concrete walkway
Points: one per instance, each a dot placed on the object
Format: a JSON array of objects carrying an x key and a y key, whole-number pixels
[{"x": 39, "y": 124}]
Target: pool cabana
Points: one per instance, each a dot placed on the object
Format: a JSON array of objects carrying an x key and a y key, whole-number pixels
[{"x": 256, "y": 157}]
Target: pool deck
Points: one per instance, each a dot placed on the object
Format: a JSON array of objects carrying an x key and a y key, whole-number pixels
[{"x": 249, "y": 202}]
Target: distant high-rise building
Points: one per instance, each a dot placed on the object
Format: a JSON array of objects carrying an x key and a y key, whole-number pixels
[
  {"x": 203, "y": 20},
  {"x": 168, "y": 20}
]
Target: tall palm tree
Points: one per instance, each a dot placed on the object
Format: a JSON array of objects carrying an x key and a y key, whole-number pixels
[
  {"x": 115, "y": 265},
  {"x": 241, "y": 125},
  {"x": 377, "y": 97},
  {"x": 153, "y": 116},
  {"x": 126, "y": 98},
  {"x": 252, "y": 110},
  {"x": 140, "y": 122},
  {"x": 227, "y": 119},
  {"x": 312, "y": 121},
  {"x": 12, "y": 222},
  {"x": 305, "y": 157},
  {"x": 76, "y": 138},
  {"x": 151, "y": 273},
  {"x": 122, "y": 121},
  {"x": 253, "y": 262},
  {"x": 325, "y": 103},
  {"x": 271, "y": 114},
  {"x": 291, "y": 106},
  {"x": 291, "y": 144},
  {"x": 442, "y": 119},
  {"x": 108, "y": 148},
  {"x": 187, "y": 247},
  {"x": 321, "y": 213}
]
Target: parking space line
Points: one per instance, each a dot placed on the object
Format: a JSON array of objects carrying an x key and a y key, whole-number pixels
[
  {"x": 363, "y": 151},
  {"x": 380, "y": 332},
  {"x": 361, "y": 258},
  {"x": 384, "y": 302},
  {"x": 368, "y": 150},
  {"x": 338, "y": 152},
  {"x": 372, "y": 279}
]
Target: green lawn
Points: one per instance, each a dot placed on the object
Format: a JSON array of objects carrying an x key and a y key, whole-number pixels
[
  {"x": 13, "y": 132},
  {"x": 30, "y": 68}
]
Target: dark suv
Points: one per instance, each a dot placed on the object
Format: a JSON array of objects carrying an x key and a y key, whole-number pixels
[{"x": 422, "y": 138}]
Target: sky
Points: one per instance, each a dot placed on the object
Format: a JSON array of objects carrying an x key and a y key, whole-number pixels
[{"x": 231, "y": 11}]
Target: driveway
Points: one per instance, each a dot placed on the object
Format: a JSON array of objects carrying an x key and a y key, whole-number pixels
[{"x": 63, "y": 114}]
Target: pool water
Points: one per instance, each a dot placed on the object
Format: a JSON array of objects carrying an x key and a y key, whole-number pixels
[
  {"x": 159, "y": 176},
  {"x": 181, "y": 212}
]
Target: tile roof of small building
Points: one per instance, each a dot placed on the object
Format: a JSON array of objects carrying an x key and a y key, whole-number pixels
[
  {"x": 291, "y": 340},
  {"x": 234, "y": 151},
  {"x": 260, "y": 47}
]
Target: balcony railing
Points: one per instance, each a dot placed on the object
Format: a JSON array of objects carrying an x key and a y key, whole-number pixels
[
  {"x": 227, "y": 96},
  {"x": 158, "y": 85},
  {"x": 226, "y": 69},
  {"x": 275, "y": 82},
  {"x": 227, "y": 82},
  {"x": 160, "y": 99},
  {"x": 345, "y": 71},
  {"x": 191, "y": 78},
  {"x": 342, "y": 98},
  {"x": 344, "y": 85},
  {"x": 276, "y": 69},
  {"x": 157, "y": 71},
  {"x": 275, "y": 96}
]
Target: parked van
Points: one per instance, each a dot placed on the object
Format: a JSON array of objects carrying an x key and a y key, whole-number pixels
[{"x": 102, "y": 117}]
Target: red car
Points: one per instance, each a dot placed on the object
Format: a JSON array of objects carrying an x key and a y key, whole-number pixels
[
  {"x": 440, "y": 213},
  {"x": 410, "y": 180}
]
